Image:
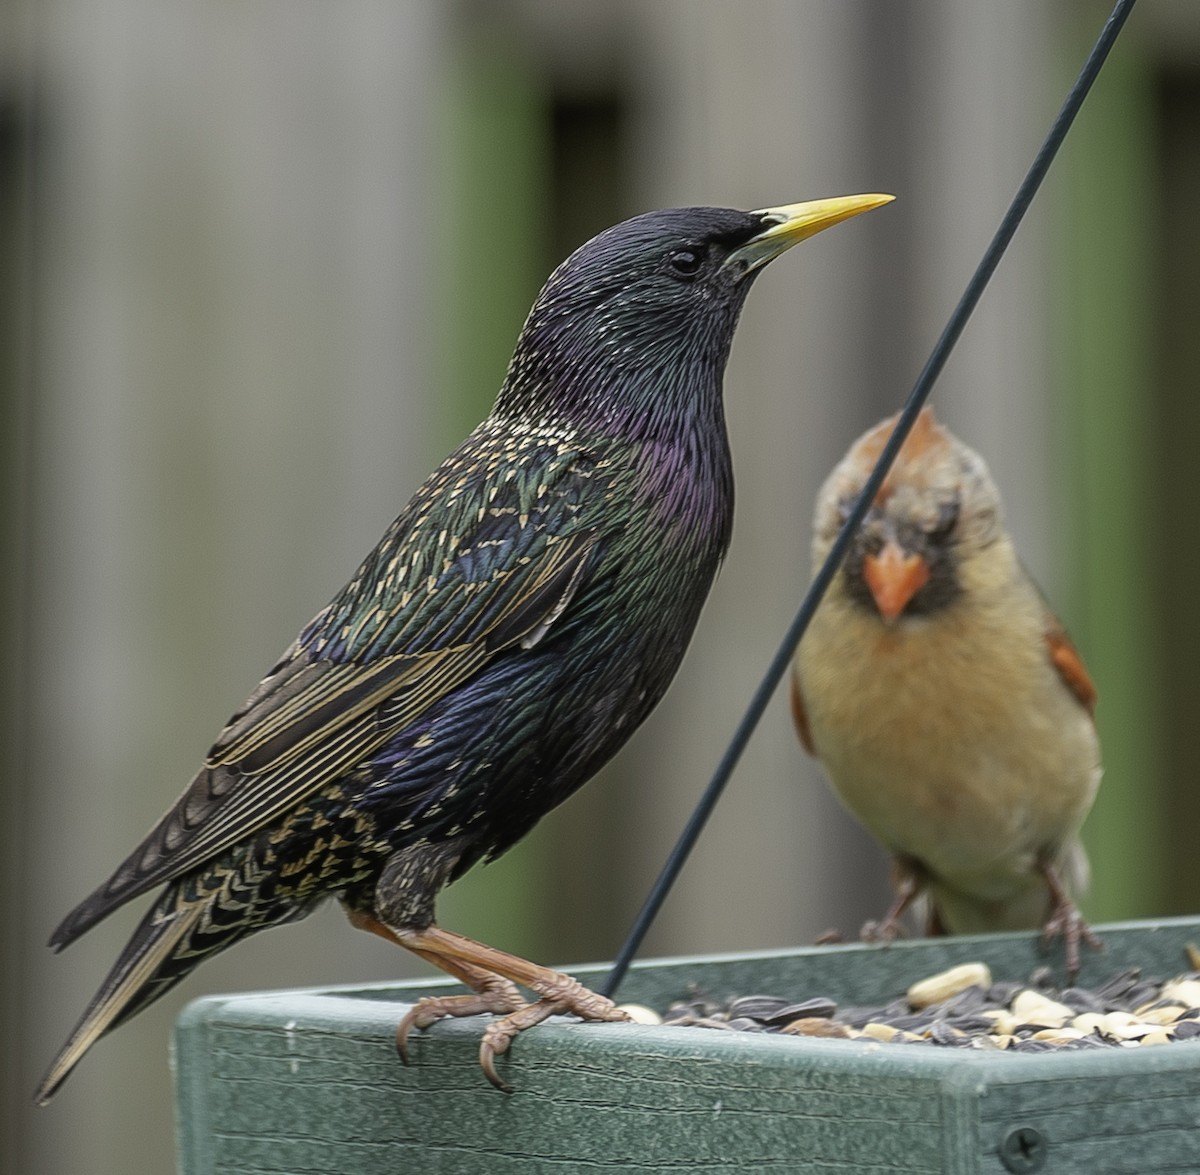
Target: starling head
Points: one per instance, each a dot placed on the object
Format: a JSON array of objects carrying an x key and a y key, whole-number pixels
[{"x": 637, "y": 323}]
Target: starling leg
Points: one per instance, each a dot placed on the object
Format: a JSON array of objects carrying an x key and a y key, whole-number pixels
[
  {"x": 1065, "y": 920},
  {"x": 909, "y": 880},
  {"x": 491, "y": 993},
  {"x": 558, "y": 993},
  {"x": 493, "y": 974}
]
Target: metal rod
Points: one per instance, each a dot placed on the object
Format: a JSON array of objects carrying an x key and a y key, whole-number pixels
[{"x": 908, "y": 415}]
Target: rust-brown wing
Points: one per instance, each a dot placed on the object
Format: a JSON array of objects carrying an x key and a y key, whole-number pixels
[
  {"x": 1069, "y": 664},
  {"x": 800, "y": 715}
]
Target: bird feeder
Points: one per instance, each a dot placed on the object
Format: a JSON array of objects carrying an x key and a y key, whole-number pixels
[{"x": 309, "y": 1080}]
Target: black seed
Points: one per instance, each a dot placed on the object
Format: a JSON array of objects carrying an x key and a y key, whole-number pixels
[
  {"x": 970, "y": 999},
  {"x": 1079, "y": 999},
  {"x": 1042, "y": 979},
  {"x": 941, "y": 1033},
  {"x": 1186, "y": 1029},
  {"x": 1119, "y": 985},
  {"x": 1083, "y": 1043},
  {"x": 859, "y": 1017},
  {"x": 820, "y": 1008},
  {"x": 757, "y": 1007},
  {"x": 1002, "y": 994},
  {"x": 911, "y": 1023},
  {"x": 1143, "y": 992}
]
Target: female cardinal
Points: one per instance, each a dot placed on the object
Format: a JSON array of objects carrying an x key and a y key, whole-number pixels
[{"x": 948, "y": 706}]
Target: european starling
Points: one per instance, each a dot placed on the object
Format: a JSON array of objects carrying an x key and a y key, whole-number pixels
[
  {"x": 947, "y": 704},
  {"x": 515, "y": 624}
]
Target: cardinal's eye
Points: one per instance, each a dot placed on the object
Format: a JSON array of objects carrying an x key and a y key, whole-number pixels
[
  {"x": 947, "y": 520},
  {"x": 846, "y": 507},
  {"x": 686, "y": 262}
]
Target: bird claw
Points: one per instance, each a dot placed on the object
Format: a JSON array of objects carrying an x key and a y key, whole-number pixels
[
  {"x": 561, "y": 994},
  {"x": 500, "y": 997},
  {"x": 494, "y": 976},
  {"x": 1067, "y": 923},
  {"x": 829, "y": 937},
  {"x": 500, "y": 1034},
  {"x": 909, "y": 877},
  {"x": 885, "y": 931}
]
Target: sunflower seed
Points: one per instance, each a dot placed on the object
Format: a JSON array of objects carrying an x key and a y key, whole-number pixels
[
  {"x": 1080, "y": 999},
  {"x": 970, "y": 999},
  {"x": 1184, "y": 991},
  {"x": 946, "y": 984},
  {"x": 1033, "y": 1007},
  {"x": 818, "y": 1007},
  {"x": 1120, "y": 984},
  {"x": 815, "y": 1026},
  {"x": 756, "y": 1007}
]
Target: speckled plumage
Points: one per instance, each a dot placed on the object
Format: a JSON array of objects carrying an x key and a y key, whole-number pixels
[{"x": 515, "y": 624}]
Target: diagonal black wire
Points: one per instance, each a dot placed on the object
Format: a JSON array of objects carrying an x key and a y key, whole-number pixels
[{"x": 908, "y": 415}]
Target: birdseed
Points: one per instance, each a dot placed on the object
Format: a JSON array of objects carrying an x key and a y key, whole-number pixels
[{"x": 1128, "y": 1010}]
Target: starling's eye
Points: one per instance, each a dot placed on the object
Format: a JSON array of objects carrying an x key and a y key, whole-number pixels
[{"x": 686, "y": 262}]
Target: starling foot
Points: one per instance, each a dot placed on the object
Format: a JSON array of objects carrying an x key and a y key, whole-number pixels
[
  {"x": 491, "y": 993},
  {"x": 1065, "y": 921},
  {"x": 560, "y": 994},
  {"x": 494, "y": 996},
  {"x": 493, "y": 975},
  {"x": 501, "y": 1033}
]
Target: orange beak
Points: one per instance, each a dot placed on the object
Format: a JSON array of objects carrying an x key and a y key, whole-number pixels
[{"x": 894, "y": 578}]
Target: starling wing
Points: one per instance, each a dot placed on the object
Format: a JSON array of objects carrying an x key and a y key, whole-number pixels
[{"x": 486, "y": 556}]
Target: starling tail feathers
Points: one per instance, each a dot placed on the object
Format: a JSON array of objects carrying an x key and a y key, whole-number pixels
[{"x": 152, "y": 944}]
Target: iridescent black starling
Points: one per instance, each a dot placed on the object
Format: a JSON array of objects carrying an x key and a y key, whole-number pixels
[{"x": 515, "y": 624}]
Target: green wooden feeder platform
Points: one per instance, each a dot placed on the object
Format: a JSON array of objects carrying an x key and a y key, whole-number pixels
[{"x": 300, "y": 1082}]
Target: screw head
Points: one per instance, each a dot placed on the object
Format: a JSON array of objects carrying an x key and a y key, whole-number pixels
[{"x": 1024, "y": 1150}]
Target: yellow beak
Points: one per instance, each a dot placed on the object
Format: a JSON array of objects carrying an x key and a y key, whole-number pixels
[{"x": 790, "y": 224}]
